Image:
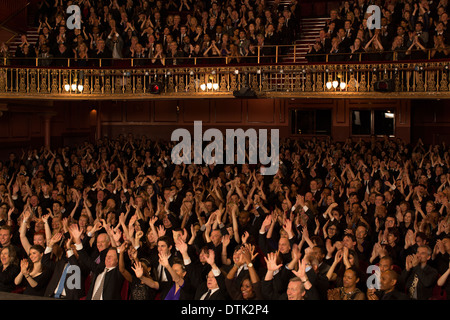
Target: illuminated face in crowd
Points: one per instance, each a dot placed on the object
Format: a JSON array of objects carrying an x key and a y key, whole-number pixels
[
  {"x": 5, "y": 237},
  {"x": 102, "y": 242},
  {"x": 111, "y": 259},
  {"x": 163, "y": 247},
  {"x": 283, "y": 245},
  {"x": 35, "y": 255},
  {"x": 211, "y": 281},
  {"x": 295, "y": 290}
]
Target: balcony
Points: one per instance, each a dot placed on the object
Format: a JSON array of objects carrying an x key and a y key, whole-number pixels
[{"x": 266, "y": 76}]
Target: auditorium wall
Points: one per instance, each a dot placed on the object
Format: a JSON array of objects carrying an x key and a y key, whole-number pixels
[{"x": 24, "y": 124}]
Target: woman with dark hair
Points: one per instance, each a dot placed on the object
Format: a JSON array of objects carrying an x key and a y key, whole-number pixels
[
  {"x": 141, "y": 285},
  {"x": 348, "y": 290},
  {"x": 9, "y": 268},
  {"x": 249, "y": 287},
  {"x": 33, "y": 275},
  {"x": 344, "y": 259}
]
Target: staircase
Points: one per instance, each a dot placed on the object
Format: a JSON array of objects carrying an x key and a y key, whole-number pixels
[
  {"x": 309, "y": 31},
  {"x": 32, "y": 36}
]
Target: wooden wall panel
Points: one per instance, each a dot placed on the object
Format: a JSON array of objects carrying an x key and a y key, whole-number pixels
[
  {"x": 21, "y": 125},
  {"x": 196, "y": 110},
  {"x": 228, "y": 111},
  {"x": 5, "y": 123},
  {"x": 165, "y": 111},
  {"x": 36, "y": 128},
  {"x": 261, "y": 111},
  {"x": 112, "y": 112},
  {"x": 138, "y": 111}
]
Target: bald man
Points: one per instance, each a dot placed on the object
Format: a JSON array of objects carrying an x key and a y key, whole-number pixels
[{"x": 388, "y": 281}]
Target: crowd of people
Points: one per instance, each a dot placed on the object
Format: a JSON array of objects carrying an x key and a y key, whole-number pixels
[
  {"x": 156, "y": 32},
  {"x": 116, "y": 219},
  {"x": 408, "y": 30}
]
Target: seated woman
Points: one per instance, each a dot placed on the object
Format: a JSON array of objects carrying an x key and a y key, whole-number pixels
[
  {"x": 440, "y": 50},
  {"x": 249, "y": 287},
  {"x": 357, "y": 51},
  {"x": 374, "y": 48},
  {"x": 33, "y": 275},
  {"x": 234, "y": 56},
  {"x": 416, "y": 50},
  {"x": 212, "y": 53},
  {"x": 142, "y": 286},
  {"x": 9, "y": 269},
  {"x": 159, "y": 58},
  {"x": 348, "y": 291},
  {"x": 181, "y": 288},
  {"x": 316, "y": 53},
  {"x": 343, "y": 260}
]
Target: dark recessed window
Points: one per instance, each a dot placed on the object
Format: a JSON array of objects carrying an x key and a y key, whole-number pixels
[
  {"x": 373, "y": 122},
  {"x": 313, "y": 122}
]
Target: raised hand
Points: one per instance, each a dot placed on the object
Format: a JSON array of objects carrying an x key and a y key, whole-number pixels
[
  {"x": 55, "y": 239},
  {"x": 164, "y": 259},
  {"x": 248, "y": 254},
  {"x": 244, "y": 237},
  {"x": 75, "y": 232},
  {"x": 24, "y": 266},
  {"x": 138, "y": 270},
  {"x": 161, "y": 231},
  {"x": 210, "y": 258},
  {"x": 181, "y": 245},
  {"x": 271, "y": 261}
]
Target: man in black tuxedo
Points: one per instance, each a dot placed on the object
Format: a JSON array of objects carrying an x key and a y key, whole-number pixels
[
  {"x": 61, "y": 55},
  {"x": 106, "y": 279},
  {"x": 418, "y": 277},
  {"x": 160, "y": 273},
  {"x": 63, "y": 269},
  {"x": 214, "y": 286},
  {"x": 334, "y": 17},
  {"x": 324, "y": 40},
  {"x": 101, "y": 52},
  {"x": 388, "y": 291}
]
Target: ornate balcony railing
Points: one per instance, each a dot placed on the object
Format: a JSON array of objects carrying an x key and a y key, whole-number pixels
[{"x": 390, "y": 79}]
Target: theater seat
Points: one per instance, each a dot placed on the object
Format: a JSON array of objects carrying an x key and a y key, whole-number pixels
[
  {"x": 18, "y": 290},
  {"x": 439, "y": 293},
  {"x": 397, "y": 269},
  {"x": 124, "y": 292},
  {"x": 87, "y": 283}
]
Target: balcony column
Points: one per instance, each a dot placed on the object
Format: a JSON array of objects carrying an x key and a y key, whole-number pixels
[
  {"x": 47, "y": 129},
  {"x": 98, "y": 127}
]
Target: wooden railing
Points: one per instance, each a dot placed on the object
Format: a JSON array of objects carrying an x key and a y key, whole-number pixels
[{"x": 421, "y": 79}]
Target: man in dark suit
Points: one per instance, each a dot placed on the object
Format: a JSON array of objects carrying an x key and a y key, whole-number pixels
[
  {"x": 290, "y": 23},
  {"x": 388, "y": 291},
  {"x": 324, "y": 40},
  {"x": 214, "y": 286},
  {"x": 90, "y": 258},
  {"x": 418, "y": 277},
  {"x": 58, "y": 286},
  {"x": 101, "y": 52},
  {"x": 160, "y": 273},
  {"x": 334, "y": 18},
  {"x": 61, "y": 55},
  {"x": 107, "y": 280}
]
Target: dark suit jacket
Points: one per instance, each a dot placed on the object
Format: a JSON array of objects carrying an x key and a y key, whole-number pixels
[
  {"x": 164, "y": 286},
  {"x": 393, "y": 295},
  {"x": 113, "y": 284},
  {"x": 58, "y": 267},
  {"x": 220, "y": 294},
  {"x": 427, "y": 280},
  {"x": 113, "y": 281}
]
